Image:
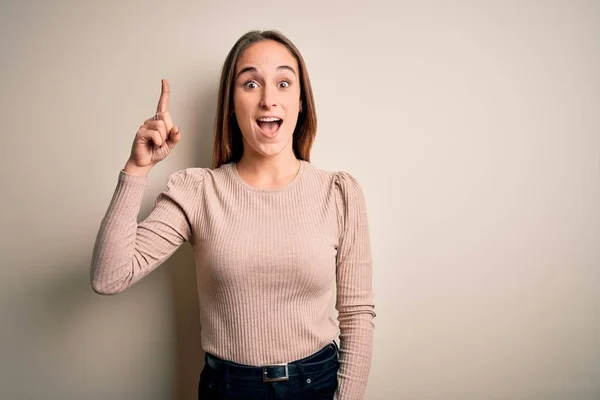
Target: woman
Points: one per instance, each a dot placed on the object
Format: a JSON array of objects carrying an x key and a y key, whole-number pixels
[{"x": 273, "y": 236}]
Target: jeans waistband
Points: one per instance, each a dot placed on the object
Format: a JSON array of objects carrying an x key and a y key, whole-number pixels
[{"x": 278, "y": 372}]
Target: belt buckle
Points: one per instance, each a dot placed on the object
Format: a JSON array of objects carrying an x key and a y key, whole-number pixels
[{"x": 279, "y": 379}]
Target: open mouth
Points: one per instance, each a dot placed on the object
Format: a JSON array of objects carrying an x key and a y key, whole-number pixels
[{"x": 269, "y": 125}]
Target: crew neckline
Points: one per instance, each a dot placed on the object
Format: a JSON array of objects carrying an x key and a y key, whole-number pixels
[{"x": 287, "y": 186}]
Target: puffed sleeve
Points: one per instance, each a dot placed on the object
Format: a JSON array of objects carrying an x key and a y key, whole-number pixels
[
  {"x": 355, "y": 299},
  {"x": 125, "y": 251}
]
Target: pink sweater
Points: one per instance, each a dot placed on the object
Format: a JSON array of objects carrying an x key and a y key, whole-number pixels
[{"x": 268, "y": 262}]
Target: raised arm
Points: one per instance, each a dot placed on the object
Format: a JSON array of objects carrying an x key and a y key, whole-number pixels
[{"x": 124, "y": 251}]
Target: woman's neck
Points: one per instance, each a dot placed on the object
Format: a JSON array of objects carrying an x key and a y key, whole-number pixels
[{"x": 268, "y": 172}]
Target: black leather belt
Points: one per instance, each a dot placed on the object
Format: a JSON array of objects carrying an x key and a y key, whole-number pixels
[{"x": 276, "y": 372}]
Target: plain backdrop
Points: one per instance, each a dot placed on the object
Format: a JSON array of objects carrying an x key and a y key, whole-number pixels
[{"x": 473, "y": 127}]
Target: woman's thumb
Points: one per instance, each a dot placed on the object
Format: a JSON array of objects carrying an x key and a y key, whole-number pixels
[{"x": 174, "y": 137}]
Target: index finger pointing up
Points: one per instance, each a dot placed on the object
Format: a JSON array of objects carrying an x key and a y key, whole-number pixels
[{"x": 163, "y": 103}]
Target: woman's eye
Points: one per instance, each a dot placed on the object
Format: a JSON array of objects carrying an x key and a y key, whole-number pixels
[
  {"x": 250, "y": 85},
  {"x": 284, "y": 84}
]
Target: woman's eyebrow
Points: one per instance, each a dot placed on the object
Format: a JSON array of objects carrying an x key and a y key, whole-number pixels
[
  {"x": 253, "y": 69},
  {"x": 286, "y": 67}
]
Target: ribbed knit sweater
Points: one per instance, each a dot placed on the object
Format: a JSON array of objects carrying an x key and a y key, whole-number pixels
[{"x": 268, "y": 262}]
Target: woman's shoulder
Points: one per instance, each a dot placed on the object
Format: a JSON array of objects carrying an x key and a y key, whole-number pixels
[
  {"x": 341, "y": 181},
  {"x": 187, "y": 175},
  {"x": 199, "y": 176}
]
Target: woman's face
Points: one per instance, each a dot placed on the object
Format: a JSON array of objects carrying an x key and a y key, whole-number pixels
[{"x": 266, "y": 97}]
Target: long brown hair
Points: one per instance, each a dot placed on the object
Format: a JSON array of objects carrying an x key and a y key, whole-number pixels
[{"x": 228, "y": 145}]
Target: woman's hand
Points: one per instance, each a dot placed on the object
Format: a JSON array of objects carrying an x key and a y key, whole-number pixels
[{"x": 155, "y": 139}]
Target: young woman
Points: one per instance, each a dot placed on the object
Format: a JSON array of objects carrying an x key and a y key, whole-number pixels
[{"x": 274, "y": 237}]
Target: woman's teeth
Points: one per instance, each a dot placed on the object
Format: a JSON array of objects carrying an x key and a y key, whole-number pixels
[{"x": 269, "y": 119}]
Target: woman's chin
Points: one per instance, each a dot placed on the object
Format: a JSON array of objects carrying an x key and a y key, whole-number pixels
[
  {"x": 268, "y": 145},
  {"x": 269, "y": 149}
]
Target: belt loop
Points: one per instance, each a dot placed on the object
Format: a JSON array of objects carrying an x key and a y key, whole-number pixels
[
  {"x": 336, "y": 346},
  {"x": 302, "y": 375}
]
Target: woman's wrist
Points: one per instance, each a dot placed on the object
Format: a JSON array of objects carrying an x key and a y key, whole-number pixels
[{"x": 135, "y": 170}]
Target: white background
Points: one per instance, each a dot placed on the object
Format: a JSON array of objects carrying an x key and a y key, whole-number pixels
[{"x": 473, "y": 127}]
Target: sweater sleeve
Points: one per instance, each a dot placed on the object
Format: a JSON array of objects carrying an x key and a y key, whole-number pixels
[
  {"x": 125, "y": 251},
  {"x": 355, "y": 303}
]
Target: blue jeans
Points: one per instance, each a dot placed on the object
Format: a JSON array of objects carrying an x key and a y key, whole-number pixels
[{"x": 311, "y": 378}]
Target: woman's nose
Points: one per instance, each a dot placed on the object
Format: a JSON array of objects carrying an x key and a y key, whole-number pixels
[{"x": 268, "y": 98}]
